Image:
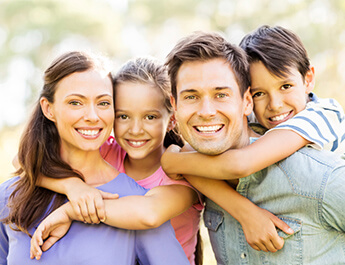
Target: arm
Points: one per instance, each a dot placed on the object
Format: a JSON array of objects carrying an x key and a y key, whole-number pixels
[
  {"x": 159, "y": 205},
  {"x": 86, "y": 201},
  {"x": 258, "y": 224},
  {"x": 233, "y": 164}
]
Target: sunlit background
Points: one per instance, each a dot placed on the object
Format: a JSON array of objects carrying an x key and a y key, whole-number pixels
[{"x": 33, "y": 32}]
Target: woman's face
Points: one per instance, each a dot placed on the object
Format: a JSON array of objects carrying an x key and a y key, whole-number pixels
[{"x": 83, "y": 111}]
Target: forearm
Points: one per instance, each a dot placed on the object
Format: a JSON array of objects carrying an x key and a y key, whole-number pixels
[
  {"x": 59, "y": 185},
  {"x": 196, "y": 164},
  {"x": 224, "y": 195},
  {"x": 130, "y": 212},
  {"x": 159, "y": 205}
]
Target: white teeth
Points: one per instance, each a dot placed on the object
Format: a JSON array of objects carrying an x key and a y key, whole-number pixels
[
  {"x": 136, "y": 143},
  {"x": 208, "y": 129},
  {"x": 89, "y": 132},
  {"x": 279, "y": 117}
]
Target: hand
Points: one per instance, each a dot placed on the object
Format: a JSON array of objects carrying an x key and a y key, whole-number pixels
[
  {"x": 51, "y": 229},
  {"x": 260, "y": 230},
  {"x": 87, "y": 202},
  {"x": 173, "y": 149},
  {"x": 187, "y": 148}
]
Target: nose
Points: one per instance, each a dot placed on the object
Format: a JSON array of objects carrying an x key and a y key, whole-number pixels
[
  {"x": 91, "y": 114},
  {"x": 275, "y": 103},
  {"x": 206, "y": 108},
  {"x": 136, "y": 127}
]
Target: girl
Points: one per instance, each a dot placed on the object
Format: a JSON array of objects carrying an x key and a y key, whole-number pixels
[
  {"x": 72, "y": 119},
  {"x": 143, "y": 129}
]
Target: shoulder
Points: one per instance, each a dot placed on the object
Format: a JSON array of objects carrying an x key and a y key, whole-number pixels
[
  {"x": 311, "y": 160},
  {"x": 6, "y": 188},
  {"x": 125, "y": 186},
  {"x": 112, "y": 152},
  {"x": 325, "y": 104}
]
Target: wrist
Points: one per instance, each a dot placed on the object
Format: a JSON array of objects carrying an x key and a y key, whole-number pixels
[{"x": 68, "y": 210}]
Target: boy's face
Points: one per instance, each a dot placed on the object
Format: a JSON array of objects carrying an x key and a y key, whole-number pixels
[{"x": 278, "y": 99}]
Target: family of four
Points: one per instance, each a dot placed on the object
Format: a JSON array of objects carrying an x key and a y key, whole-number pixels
[{"x": 273, "y": 187}]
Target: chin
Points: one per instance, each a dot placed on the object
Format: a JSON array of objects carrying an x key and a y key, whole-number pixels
[{"x": 210, "y": 150}]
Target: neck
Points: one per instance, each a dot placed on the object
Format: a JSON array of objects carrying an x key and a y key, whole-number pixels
[
  {"x": 96, "y": 171},
  {"x": 142, "y": 168},
  {"x": 246, "y": 134}
]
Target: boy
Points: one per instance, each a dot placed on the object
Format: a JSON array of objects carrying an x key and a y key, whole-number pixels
[{"x": 281, "y": 83}]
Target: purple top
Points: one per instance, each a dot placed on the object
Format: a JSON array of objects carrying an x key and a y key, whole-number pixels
[{"x": 94, "y": 244}]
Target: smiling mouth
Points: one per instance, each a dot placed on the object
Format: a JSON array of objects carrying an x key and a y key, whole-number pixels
[
  {"x": 137, "y": 143},
  {"x": 280, "y": 117},
  {"x": 89, "y": 132},
  {"x": 209, "y": 129}
]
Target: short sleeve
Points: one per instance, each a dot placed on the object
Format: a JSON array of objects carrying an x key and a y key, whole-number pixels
[
  {"x": 321, "y": 123},
  {"x": 333, "y": 207},
  {"x": 159, "y": 246},
  {"x": 113, "y": 153},
  {"x": 168, "y": 181},
  {"x": 5, "y": 191}
]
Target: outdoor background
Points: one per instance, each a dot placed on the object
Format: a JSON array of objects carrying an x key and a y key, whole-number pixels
[{"x": 32, "y": 33}]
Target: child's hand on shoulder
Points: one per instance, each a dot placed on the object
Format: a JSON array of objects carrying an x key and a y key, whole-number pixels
[{"x": 88, "y": 204}]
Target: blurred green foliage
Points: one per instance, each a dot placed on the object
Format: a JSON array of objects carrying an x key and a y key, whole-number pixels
[{"x": 33, "y": 32}]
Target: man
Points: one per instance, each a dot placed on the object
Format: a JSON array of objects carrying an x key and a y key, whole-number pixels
[{"x": 212, "y": 101}]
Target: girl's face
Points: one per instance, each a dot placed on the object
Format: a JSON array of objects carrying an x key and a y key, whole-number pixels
[
  {"x": 141, "y": 119},
  {"x": 278, "y": 99},
  {"x": 82, "y": 111}
]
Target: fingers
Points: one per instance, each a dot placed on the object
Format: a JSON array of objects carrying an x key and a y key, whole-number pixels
[
  {"x": 100, "y": 208},
  {"x": 173, "y": 148},
  {"x": 282, "y": 226},
  {"x": 108, "y": 195},
  {"x": 85, "y": 210},
  {"x": 49, "y": 242},
  {"x": 36, "y": 243},
  {"x": 268, "y": 245}
]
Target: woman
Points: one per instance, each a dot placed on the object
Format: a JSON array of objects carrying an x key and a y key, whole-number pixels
[{"x": 72, "y": 119}]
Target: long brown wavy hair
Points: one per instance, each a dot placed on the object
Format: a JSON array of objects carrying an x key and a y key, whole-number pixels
[{"x": 39, "y": 149}]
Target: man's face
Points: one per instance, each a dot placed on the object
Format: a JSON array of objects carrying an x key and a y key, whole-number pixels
[{"x": 209, "y": 108}]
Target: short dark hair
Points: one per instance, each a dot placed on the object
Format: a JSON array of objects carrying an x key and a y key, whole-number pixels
[
  {"x": 201, "y": 46},
  {"x": 279, "y": 49}
]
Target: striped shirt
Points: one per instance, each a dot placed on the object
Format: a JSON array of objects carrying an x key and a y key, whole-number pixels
[{"x": 322, "y": 123}]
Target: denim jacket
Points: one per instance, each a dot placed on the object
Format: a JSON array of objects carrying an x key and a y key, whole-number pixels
[{"x": 305, "y": 190}]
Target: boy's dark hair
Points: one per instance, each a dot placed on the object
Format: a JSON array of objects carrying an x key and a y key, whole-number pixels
[
  {"x": 201, "y": 46},
  {"x": 278, "y": 49}
]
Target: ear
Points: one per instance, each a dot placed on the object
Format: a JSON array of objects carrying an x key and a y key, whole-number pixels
[
  {"x": 247, "y": 102},
  {"x": 309, "y": 80},
  {"x": 173, "y": 102},
  {"x": 47, "y": 109},
  {"x": 172, "y": 123}
]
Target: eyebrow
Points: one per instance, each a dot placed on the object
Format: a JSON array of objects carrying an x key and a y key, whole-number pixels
[
  {"x": 146, "y": 111},
  {"x": 82, "y": 96},
  {"x": 218, "y": 88}
]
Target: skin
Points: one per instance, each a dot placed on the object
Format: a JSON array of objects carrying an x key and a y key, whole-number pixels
[
  {"x": 276, "y": 99},
  {"x": 212, "y": 117},
  {"x": 207, "y": 107},
  {"x": 140, "y": 126},
  {"x": 141, "y": 121},
  {"x": 83, "y": 114}
]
